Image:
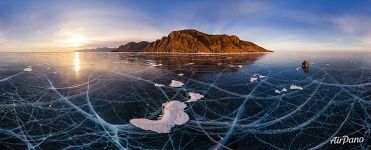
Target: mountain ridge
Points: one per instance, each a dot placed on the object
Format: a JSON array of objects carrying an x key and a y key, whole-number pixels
[{"x": 193, "y": 41}]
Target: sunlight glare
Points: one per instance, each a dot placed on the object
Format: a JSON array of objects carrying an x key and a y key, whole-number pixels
[
  {"x": 76, "y": 41},
  {"x": 76, "y": 61}
]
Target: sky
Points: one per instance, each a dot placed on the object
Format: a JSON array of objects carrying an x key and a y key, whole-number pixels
[{"x": 298, "y": 25}]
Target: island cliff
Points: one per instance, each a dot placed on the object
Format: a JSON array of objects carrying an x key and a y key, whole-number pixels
[
  {"x": 132, "y": 47},
  {"x": 193, "y": 41}
]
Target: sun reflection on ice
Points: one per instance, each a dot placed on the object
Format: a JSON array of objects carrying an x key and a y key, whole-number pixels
[{"x": 76, "y": 61}]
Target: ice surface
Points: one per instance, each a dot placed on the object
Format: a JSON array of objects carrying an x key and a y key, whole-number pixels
[
  {"x": 194, "y": 96},
  {"x": 295, "y": 87},
  {"x": 173, "y": 114},
  {"x": 92, "y": 108},
  {"x": 175, "y": 83}
]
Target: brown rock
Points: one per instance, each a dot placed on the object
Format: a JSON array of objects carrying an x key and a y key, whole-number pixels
[
  {"x": 305, "y": 65},
  {"x": 193, "y": 41},
  {"x": 132, "y": 47}
]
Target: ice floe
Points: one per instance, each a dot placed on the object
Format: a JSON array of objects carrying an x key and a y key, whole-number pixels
[
  {"x": 295, "y": 87},
  {"x": 28, "y": 69},
  {"x": 175, "y": 83},
  {"x": 172, "y": 114},
  {"x": 194, "y": 96}
]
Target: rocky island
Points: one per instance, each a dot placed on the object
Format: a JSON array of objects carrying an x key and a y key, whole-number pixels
[{"x": 193, "y": 41}]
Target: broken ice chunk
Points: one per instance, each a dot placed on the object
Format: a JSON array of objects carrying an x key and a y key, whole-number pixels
[
  {"x": 194, "y": 96},
  {"x": 175, "y": 83},
  {"x": 253, "y": 79},
  {"x": 154, "y": 65},
  {"x": 180, "y": 74},
  {"x": 295, "y": 87},
  {"x": 172, "y": 114},
  {"x": 28, "y": 69},
  {"x": 159, "y": 85},
  {"x": 261, "y": 76},
  {"x": 283, "y": 90}
]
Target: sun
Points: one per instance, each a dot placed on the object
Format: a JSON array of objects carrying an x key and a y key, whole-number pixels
[{"x": 76, "y": 41}]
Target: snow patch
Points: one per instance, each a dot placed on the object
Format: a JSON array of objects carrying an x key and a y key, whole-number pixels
[
  {"x": 194, "y": 96},
  {"x": 172, "y": 114},
  {"x": 175, "y": 83}
]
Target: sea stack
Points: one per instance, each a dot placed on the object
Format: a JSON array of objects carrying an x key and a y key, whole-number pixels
[{"x": 305, "y": 65}]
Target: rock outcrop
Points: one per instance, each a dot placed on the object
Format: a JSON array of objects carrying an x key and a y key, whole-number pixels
[
  {"x": 193, "y": 41},
  {"x": 132, "y": 47},
  {"x": 305, "y": 65}
]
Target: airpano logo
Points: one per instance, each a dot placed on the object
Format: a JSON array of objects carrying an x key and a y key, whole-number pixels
[{"x": 345, "y": 139}]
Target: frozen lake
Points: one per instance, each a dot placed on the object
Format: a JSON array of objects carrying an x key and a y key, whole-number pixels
[{"x": 257, "y": 101}]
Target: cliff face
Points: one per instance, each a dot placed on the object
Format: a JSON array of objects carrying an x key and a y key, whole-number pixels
[
  {"x": 193, "y": 41},
  {"x": 132, "y": 47}
]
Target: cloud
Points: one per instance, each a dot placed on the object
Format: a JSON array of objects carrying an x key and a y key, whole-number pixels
[{"x": 355, "y": 29}]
